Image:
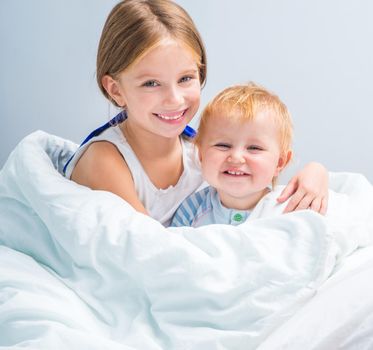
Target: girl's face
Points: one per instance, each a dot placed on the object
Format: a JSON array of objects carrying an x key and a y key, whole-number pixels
[
  {"x": 240, "y": 159},
  {"x": 161, "y": 92}
]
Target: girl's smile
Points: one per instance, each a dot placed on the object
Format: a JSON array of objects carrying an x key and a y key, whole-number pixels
[{"x": 171, "y": 116}]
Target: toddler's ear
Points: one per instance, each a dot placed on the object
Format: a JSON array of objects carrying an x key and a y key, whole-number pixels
[
  {"x": 283, "y": 161},
  {"x": 112, "y": 87},
  {"x": 199, "y": 154}
]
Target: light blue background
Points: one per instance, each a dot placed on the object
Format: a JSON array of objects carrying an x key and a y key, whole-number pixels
[{"x": 316, "y": 55}]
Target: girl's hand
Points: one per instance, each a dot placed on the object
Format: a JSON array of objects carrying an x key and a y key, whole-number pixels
[{"x": 309, "y": 189}]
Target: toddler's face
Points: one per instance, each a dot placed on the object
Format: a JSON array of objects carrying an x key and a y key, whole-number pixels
[{"x": 240, "y": 159}]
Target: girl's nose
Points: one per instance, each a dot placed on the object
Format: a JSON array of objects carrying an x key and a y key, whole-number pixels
[{"x": 173, "y": 97}]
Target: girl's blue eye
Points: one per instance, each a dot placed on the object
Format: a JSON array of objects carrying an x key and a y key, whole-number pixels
[
  {"x": 150, "y": 83},
  {"x": 185, "y": 79}
]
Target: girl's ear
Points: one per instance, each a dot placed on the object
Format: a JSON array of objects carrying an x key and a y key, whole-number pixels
[
  {"x": 283, "y": 161},
  {"x": 113, "y": 89}
]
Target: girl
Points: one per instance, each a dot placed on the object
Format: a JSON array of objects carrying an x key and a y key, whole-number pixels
[{"x": 151, "y": 63}]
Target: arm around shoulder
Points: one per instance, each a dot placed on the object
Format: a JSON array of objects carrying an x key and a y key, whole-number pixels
[
  {"x": 102, "y": 167},
  {"x": 308, "y": 189}
]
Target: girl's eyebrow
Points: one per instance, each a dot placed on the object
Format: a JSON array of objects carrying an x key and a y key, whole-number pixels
[
  {"x": 153, "y": 75},
  {"x": 144, "y": 76},
  {"x": 189, "y": 71}
]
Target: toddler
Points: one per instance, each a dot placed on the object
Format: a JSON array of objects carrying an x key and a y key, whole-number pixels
[{"x": 243, "y": 142}]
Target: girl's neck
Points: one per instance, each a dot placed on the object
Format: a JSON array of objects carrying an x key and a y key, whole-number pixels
[
  {"x": 160, "y": 157},
  {"x": 146, "y": 144}
]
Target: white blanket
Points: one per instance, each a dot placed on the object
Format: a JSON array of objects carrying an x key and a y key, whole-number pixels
[{"x": 80, "y": 269}]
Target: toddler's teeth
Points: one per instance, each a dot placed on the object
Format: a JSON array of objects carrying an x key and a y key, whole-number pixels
[{"x": 235, "y": 172}]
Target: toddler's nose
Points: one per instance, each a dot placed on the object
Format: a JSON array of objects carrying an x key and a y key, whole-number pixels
[{"x": 236, "y": 158}]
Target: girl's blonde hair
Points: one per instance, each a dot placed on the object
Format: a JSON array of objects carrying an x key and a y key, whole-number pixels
[
  {"x": 134, "y": 27},
  {"x": 241, "y": 103}
]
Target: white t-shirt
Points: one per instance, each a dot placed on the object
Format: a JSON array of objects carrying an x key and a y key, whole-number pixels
[{"x": 160, "y": 203}]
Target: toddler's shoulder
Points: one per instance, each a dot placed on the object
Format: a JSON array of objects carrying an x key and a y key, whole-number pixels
[{"x": 191, "y": 206}]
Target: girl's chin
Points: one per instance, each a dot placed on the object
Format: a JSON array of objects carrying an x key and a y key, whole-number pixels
[{"x": 175, "y": 132}]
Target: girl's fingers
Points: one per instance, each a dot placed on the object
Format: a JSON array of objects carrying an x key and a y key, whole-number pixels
[
  {"x": 324, "y": 205},
  {"x": 287, "y": 191},
  {"x": 305, "y": 203},
  {"x": 294, "y": 201},
  {"x": 301, "y": 200},
  {"x": 316, "y": 205}
]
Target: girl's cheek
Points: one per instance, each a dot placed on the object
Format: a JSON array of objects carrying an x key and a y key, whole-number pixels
[{"x": 195, "y": 91}]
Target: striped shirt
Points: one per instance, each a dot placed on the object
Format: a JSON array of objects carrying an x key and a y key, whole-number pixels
[{"x": 203, "y": 208}]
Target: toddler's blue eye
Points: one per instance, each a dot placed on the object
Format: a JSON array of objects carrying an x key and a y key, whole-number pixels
[
  {"x": 254, "y": 148},
  {"x": 223, "y": 145}
]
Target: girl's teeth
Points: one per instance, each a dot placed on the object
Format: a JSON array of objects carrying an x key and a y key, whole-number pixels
[{"x": 174, "y": 117}]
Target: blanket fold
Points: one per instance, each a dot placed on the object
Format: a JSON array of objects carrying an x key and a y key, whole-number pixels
[{"x": 89, "y": 271}]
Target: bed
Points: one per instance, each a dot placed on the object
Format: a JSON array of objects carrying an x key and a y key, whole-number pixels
[{"x": 80, "y": 269}]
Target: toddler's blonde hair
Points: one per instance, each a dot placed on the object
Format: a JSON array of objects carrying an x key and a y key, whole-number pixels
[{"x": 241, "y": 103}]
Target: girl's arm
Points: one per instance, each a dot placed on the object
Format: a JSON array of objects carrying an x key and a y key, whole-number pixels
[
  {"x": 307, "y": 189},
  {"x": 102, "y": 167}
]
